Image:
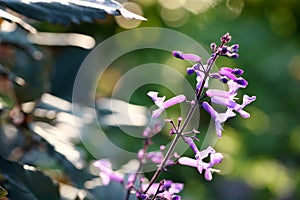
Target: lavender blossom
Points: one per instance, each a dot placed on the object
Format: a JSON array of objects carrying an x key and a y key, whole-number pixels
[
  {"x": 153, "y": 156},
  {"x": 162, "y": 104},
  {"x": 227, "y": 98},
  {"x": 167, "y": 190},
  {"x": 106, "y": 172},
  {"x": 215, "y": 158},
  {"x": 191, "y": 57},
  {"x": 219, "y": 118}
]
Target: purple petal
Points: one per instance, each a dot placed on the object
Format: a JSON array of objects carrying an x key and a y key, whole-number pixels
[
  {"x": 156, "y": 113},
  {"x": 192, "y": 144},
  {"x": 147, "y": 131},
  {"x": 247, "y": 100},
  {"x": 215, "y": 75},
  {"x": 235, "y": 46},
  {"x": 141, "y": 154},
  {"x": 225, "y": 38},
  {"x": 238, "y": 71},
  {"x": 216, "y": 92},
  {"x": 176, "y": 197},
  {"x": 190, "y": 70},
  {"x": 244, "y": 114},
  {"x": 232, "y": 55},
  {"x": 188, "y": 161},
  {"x": 176, "y": 188},
  {"x": 224, "y": 101},
  {"x": 173, "y": 101},
  {"x": 202, "y": 166},
  {"x": 213, "y": 46},
  {"x": 234, "y": 86},
  {"x": 215, "y": 158},
  {"x": 209, "y": 109},
  {"x": 204, "y": 153},
  {"x": 177, "y": 54},
  {"x": 116, "y": 177},
  {"x": 157, "y": 100},
  {"x": 155, "y": 157},
  {"x": 191, "y": 57},
  {"x": 219, "y": 128},
  {"x": 103, "y": 165},
  {"x": 241, "y": 81},
  {"x": 228, "y": 72},
  {"x": 208, "y": 175}
]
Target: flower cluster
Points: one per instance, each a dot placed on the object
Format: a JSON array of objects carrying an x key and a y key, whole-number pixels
[
  {"x": 205, "y": 96},
  {"x": 165, "y": 189}
]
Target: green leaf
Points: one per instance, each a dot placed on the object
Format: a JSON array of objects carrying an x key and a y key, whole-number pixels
[
  {"x": 3, "y": 192},
  {"x": 64, "y": 12},
  {"x": 26, "y": 182}
]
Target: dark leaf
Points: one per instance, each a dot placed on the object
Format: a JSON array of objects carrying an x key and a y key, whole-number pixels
[
  {"x": 27, "y": 182},
  {"x": 18, "y": 38},
  {"x": 64, "y": 12}
]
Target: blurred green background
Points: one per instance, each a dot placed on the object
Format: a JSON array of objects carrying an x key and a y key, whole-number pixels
[{"x": 262, "y": 154}]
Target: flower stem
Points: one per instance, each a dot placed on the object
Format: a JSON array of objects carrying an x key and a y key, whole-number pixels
[{"x": 184, "y": 125}]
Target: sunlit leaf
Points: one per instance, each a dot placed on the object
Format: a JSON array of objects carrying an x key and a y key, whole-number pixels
[
  {"x": 19, "y": 21},
  {"x": 59, "y": 147},
  {"x": 64, "y": 12},
  {"x": 3, "y": 192}
]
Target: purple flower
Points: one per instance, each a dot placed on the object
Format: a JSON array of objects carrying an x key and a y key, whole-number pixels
[
  {"x": 219, "y": 118},
  {"x": 162, "y": 104},
  {"x": 200, "y": 78},
  {"x": 227, "y": 98},
  {"x": 106, "y": 172},
  {"x": 231, "y": 104},
  {"x": 225, "y": 38},
  {"x": 213, "y": 47},
  {"x": 231, "y": 74},
  {"x": 192, "y": 144},
  {"x": 152, "y": 129},
  {"x": 215, "y": 158},
  {"x": 167, "y": 190},
  {"x": 191, "y": 57},
  {"x": 153, "y": 156}
]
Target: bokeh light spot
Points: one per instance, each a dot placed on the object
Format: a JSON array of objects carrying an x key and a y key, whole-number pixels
[
  {"x": 200, "y": 6},
  {"x": 235, "y": 7},
  {"x": 174, "y": 18},
  {"x": 270, "y": 174},
  {"x": 294, "y": 67},
  {"x": 258, "y": 123},
  {"x": 231, "y": 143},
  {"x": 171, "y": 4},
  {"x": 295, "y": 138},
  {"x": 282, "y": 21}
]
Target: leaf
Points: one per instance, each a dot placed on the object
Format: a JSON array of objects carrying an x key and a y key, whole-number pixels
[
  {"x": 9, "y": 17},
  {"x": 18, "y": 38},
  {"x": 26, "y": 182},
  {"x": 64, "y": 12},
  {"x": 3, "y": 192},
  {"x": 59, "y": 147}
]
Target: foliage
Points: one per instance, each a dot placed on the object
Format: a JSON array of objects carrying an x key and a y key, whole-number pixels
[{"x": 262, "y": 153}]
